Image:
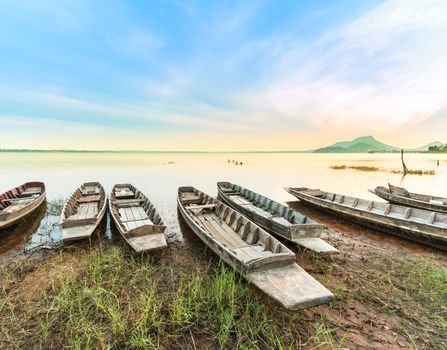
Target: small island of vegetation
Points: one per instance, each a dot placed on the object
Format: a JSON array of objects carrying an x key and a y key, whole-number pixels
[{"x": 438, "y": 149}]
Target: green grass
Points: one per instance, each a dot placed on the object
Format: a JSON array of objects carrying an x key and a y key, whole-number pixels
[
  {"x": 359, "y": 168},
  {"x": 117, "y": 301},
  {"x": 373, "y": 168},
  {"x": 54, "y": 207},
  {"x": 412, "y": 289},
  {"x": 415, "y": 172},
  {"x": 338, "y": 167}
]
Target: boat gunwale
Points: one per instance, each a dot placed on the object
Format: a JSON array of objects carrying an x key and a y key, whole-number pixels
[
  {"x": 161, "y": 226},
  {"x": 391, "y": 220},
  {"x": 88, "y": 227},
  {"x": 385, "y": 193},
  {"x": 294, "y": 233},
  {"x": 219, "y": 248},
  {"x": 9, "y": 219}
]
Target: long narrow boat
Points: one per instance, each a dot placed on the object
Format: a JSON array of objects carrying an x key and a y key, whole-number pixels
[
  {"x": 19, "y": 202},
  {"x": 400, "y": 195},
  {"x": 83, "y": 211},
  {"x": 136, "y": 219},
  {"x": 422, "y": 226},
  {"x": 254, "y": 253},
  {"x": 275, "y": 217}
]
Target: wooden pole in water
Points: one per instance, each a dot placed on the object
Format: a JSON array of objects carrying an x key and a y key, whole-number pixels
[{"x": 403, "y": 163}]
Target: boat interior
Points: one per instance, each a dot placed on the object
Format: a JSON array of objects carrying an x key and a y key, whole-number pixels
[
  {"x": 230, "y": 228},
  {"x": 133, "y": 208},
  {"x": 84, "y": 204},
  {"x": 382, "y": 208},
  {"x": 263, "y": 206},
  {"x": 20, "y": 197}
]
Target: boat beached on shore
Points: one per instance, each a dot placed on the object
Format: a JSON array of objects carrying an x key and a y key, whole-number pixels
[
  {"x": 250, "y": 250},
  {"x": 275, "y": 217},
  {"x": 83, "y": 211},
  {"x": 19, "y": 202},
  {"x": 399, "y": 195},
  {"x": 136, "y": 219},
  {"x": 422, "y": 226}
]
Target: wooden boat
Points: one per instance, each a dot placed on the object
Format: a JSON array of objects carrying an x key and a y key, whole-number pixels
[
  {"x": 83, "y": 211},
  {"x": 259, "y": 257},
  {"x": 19, "y": 202},
  {"x": 422, "y": 226},
  {"x": 136, "y": 219},
  {"x": 399, "y": 195},
  {"x": 275, "y": 217}
]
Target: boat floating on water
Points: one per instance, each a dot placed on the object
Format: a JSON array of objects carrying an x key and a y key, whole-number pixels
[
  {"x": 422, "y": 226},
  {"x": 275, "y": 217},
  {"x": 136, "y": 219},
  {"x": 401, "y": 196},
  {"x": 83, "y": 211},
  {"x": 19, "y": 202},
  {"x": 250, "y": 250}
]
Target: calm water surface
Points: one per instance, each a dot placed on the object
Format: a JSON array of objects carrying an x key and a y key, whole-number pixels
[{"x": 159, "y": 176}]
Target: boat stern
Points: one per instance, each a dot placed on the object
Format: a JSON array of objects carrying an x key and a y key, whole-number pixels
[{"x": 291, "y": 286}]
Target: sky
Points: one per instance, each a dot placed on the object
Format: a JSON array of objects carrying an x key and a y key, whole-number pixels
[{"x": 221, "y": 75}]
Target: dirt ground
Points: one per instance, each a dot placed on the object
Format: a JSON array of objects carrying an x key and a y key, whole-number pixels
[{"x": 362, "y": 316}]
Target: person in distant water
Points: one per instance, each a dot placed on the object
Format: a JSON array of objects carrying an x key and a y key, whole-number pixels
[{"x": 437, "y": 163}]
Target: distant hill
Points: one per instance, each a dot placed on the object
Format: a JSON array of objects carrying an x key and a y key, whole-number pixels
[
  {"x": 359, "y": 145},
  {"x": 425, "y": 147}
]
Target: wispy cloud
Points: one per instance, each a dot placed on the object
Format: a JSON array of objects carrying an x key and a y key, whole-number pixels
[{"x": 299, "y": 70}]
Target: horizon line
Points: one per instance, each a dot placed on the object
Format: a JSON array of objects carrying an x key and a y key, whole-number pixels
[{"x": 24, "y": 150}]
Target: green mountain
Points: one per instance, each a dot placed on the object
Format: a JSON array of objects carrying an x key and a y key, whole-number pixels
[
  {"x": 359, "y": 145},
  {"x": 425, "y": 147}
]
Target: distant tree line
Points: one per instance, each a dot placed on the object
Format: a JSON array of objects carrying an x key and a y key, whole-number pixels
[{"x": 439, "y": 149}]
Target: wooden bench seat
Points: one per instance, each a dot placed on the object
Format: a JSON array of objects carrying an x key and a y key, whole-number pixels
[
  {"x": 124, "y": 193},
  {"x": 27, "y": 193},
  {"x": 85, "y": 211},
  {"x": 252, "y": 252},
  {"x": 89, "y": 199}
]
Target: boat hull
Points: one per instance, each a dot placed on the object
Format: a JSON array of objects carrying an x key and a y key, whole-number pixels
[
  {"x": 11, "y": 219},
  {"x": 409, "y": 201},
  {"x": 289, "y": 285},
  {"x": 305, "y": 235},
  {"x": 82, "y": 230},
  {"x": 146, "y": 238},
  {"x": 419, "y": 233}
]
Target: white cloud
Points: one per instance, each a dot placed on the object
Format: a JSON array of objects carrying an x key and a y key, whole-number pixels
[{"x": 368, "y": 75}]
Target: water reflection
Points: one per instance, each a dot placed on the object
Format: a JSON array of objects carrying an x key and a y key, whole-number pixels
[{"x": 24, "y": 231}]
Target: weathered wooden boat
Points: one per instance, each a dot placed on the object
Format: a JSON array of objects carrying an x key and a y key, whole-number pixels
[
  {"x": 136, "y": 219},
  {"x": 422, "y": 226},
  {"x": 401, "y": 196},
  {"x": 83, "y": 211},
  {"x": 259, "y": 257},
  {"x": 19, "y": 202},
  {"x": 275, "y": 217}
]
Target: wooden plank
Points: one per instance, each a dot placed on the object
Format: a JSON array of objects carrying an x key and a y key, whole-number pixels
[
  {"x": 222, "y": 232},
  {"x": 204, "y": 206},
  {"x": 124, "y": 193},
  {"x": 88, "y": 199},
  {"x": 252, "y": 252},
  {"x": 317, "y": 245}
]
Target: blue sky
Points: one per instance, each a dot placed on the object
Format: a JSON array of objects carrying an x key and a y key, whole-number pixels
[{"x": 221, "y": 75}]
